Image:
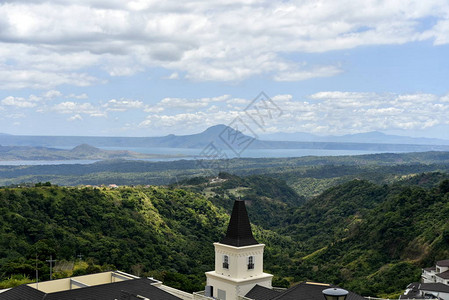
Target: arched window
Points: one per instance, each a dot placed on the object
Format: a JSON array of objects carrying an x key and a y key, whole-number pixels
[
  {"x": 250, "y": 262},
  {"x": 225, "y": 262}
]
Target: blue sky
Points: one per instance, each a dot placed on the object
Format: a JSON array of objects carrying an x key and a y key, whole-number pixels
[{"x": 147, "y": 68}]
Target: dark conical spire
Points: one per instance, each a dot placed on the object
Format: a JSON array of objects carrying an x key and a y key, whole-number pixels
[{"x": 239, "y": 232}]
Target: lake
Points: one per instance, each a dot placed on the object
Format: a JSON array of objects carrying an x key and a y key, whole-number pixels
[{"x": 189, "y": 153}]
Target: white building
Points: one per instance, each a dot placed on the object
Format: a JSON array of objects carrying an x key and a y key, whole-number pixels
[
  {"x": 426, "y": 291},
  {"x": 437, "y": 274},
  {"x": 238, "y": 260}
]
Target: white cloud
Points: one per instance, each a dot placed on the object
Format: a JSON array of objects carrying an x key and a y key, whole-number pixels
[
  {"x": 16, "y": 116},
  {"x": 17, "y": 102},
  {"x": 123, "y": 105},
  {"x": 45, "y": 44},
  {"x": 154, "y": 109},
  {"x": 76, "y": 117},
  {"x": 186, "y": 104},
  {"x": 74, "y": 108},
  {"x": 186, "y": 122},
  {"x": 18, "y": 79},
  {"x": 238, "y": 101},
  {"x": 52, "y": 94},
  {"x": 327, "y": 112},
  {"x": 326, "y": 71},
  {"x": 80, "y": 96},
  {"x": 33, "y": 101},
  {"x": 173, "y": 75}
]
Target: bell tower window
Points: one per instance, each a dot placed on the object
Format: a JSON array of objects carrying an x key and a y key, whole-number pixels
[
  {"x": 225, "y": 262},
  {"x": 251, "y": 263}
]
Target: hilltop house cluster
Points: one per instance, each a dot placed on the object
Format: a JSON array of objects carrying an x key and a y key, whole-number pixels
[{"x": 434, "y": 283}]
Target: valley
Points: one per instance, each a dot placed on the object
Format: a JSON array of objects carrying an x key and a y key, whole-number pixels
[{"x": 358, "y": 222}]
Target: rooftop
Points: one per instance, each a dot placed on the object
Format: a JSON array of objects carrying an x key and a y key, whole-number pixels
[
  {"x": 239, "y": 231},
  {"x": 131, "y": 288},
  {"x": 432, "y": 287},
  {"x": 262, "y": 293},
  {"x": 444, "y": 275},
  {"x": 302, "y": 291},
  {"x": 443, "y": 263}
]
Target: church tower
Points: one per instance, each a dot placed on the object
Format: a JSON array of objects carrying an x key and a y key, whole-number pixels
[{"x": 238, "y": 259}]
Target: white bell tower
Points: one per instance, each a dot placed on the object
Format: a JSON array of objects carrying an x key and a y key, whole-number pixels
[{"x": 238, "y": 259}]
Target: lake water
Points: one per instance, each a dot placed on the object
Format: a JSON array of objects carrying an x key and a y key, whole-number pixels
[{"x": 189, "y": 153}]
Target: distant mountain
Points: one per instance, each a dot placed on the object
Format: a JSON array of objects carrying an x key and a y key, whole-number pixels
[
  {"x": 223, "y": 137},
  {"x": 85, "y": 148},
  {"x": 367, "y": 137}
]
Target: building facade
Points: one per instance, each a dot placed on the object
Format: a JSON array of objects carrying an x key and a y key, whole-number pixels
[
  {"x": 238, "y": 260},
  {"x": 437, "y": 274}
]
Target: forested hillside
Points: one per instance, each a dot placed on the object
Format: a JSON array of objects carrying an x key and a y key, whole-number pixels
[
  {"x": 163, "y": 232},
  {"x": 156, "y": 228},
  {"x": 269, "y": 200},
  {"x": 371, "y": 238},
  {"x": 366, "y": 237}
]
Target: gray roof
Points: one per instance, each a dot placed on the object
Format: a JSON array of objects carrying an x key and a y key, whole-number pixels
[
  {"x": 432, "y": 287},
  {"x": 444, "y": 275},
  {"x": 262, "y": 293},
  {"x": 443, "y": 263},
  {"x": 430, "y": 269},
  {"x": 127, "y": 289},
  {"x": 22, "y": 292},
  {"x": 304, "y": 291}
]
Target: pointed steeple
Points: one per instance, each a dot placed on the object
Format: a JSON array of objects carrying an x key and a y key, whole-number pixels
[{"x": 239, "y": 232}]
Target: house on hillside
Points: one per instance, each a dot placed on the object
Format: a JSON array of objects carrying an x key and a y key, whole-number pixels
[
  {"x": 437, "y": 274},
  {"x": 418, "y": 290},
  {"x": 434, "y": 283},
  {"x": 238, "y": 275}
]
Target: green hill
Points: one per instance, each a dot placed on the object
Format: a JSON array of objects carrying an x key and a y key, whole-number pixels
[
  {"x": 157, "y": 228},
  {"x": 370, "y": 238},
  {"x": 269, "y": 199},
  {"x": 163, "y": 232}
]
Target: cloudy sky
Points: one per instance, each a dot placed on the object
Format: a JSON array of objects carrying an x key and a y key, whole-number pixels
[{"x": 146, "y": 68}]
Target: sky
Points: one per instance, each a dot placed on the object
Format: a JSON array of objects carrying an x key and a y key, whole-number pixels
[{"x": 151, "y": 68}]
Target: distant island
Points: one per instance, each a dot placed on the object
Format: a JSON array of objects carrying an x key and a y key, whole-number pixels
[{"x": 80, "y": 152}]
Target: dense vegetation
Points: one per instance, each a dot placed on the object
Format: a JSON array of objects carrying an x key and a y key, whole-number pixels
[
  {"x": 371, "y": 238},
  {"x": 368, "y": 237},
  {"x": 155, "y": 228},
  {"x": 309, "y": 176},
  {"x": 269, "y": 200}
]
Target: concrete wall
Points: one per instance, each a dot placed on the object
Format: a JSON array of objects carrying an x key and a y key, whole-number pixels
[
  {"x": 236, "y": 287},
  {"x": 238, "y": 260}
]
